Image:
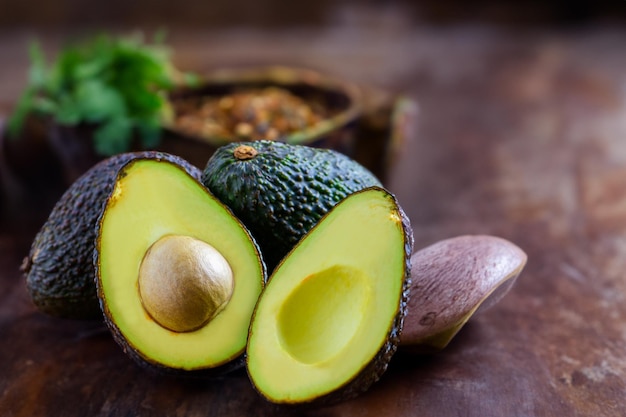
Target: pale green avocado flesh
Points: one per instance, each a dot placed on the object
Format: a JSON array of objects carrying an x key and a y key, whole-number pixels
[
  {"x": 151, "y": 201},
  {"x": 333, "y": 305}
]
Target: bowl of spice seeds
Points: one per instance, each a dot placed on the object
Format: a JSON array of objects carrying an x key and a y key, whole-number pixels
[
  {"x": 297, "y": 106},
  {"x": 292, "y": 105}
]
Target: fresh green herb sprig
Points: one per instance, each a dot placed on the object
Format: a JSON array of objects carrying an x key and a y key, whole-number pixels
[{"x": 116, "y": 85}]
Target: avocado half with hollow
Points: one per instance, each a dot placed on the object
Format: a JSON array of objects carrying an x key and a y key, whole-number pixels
[
  {"x": 329, "y": 319},
  {"x": 178, "y": 275}
]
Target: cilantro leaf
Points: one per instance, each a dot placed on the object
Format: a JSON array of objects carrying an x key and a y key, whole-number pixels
[
  {"x": 99, "y": 102},
  {"x": 113, "y": 136},
  {"x": 116, "y": 85}
]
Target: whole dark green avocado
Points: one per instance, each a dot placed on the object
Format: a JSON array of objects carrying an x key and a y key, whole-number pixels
[
  {"x": 280, "y": 191},
  {"x": 60, "y": 275}
]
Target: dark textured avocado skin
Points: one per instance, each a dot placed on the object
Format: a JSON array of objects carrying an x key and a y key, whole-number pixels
[
  {"x": 283, "y": 191},
  {"x": 59, "y": 269}
]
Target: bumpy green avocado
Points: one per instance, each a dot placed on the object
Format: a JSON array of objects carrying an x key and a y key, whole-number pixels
[
  {"x": 177, "y": 274},
  {"x": 329, "y": 320},
  {"x": 280, "y": 191},
  {"x": 59, "y": 268}
]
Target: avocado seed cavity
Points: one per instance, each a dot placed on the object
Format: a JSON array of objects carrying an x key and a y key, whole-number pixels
[
  {"x": 184, "y": 282},
  {"x": 312, "y": 330}
]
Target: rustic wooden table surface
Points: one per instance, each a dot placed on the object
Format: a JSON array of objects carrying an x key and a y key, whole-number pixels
[{"x": 521, "y": 134}]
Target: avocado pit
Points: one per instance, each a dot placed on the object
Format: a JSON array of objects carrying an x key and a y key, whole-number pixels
[{"x": 184, "y": 282}]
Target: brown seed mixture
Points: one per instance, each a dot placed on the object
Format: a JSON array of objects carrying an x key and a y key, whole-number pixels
[{"x": 269, "y": 113}]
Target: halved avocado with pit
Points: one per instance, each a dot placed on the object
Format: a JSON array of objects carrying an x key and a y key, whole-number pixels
[
  {"x": 178, "y": 275},
  {"x": 329, "y": 320}
]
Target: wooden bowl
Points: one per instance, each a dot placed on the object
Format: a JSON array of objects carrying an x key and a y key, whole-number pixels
[{"x": 366, "y": 124}]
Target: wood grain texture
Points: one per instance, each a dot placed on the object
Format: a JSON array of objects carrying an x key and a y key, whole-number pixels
[{"x": 521, "y": 135}]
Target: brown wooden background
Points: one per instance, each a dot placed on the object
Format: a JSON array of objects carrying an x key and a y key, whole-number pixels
[
  {"x": 521, "y": 133},
  {"x": 285, "y": 13}
]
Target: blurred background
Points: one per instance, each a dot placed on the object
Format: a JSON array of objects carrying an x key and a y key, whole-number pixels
[
  {"x": 207, "y": 34},
  {"x": 21, "y": 20},
  {"x": 284, "y": 13},
  {"x": 524, "y": 56}
]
